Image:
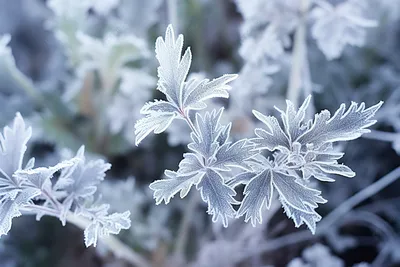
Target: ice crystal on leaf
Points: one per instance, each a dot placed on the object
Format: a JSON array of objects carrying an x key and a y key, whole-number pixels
[{"x": 182, "y": 96}]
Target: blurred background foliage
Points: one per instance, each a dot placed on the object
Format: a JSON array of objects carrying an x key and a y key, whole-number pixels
[{"x": 82, "y": 72}]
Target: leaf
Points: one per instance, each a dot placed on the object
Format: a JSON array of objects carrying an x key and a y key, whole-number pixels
[
  {"x": 13, "y": 146},
  {"x": 272, "y": 138},
  {"x": 175, "y": 182},
  {"x": 104, "y": 224},
  {"x": 173, "y": 70},
  {"x": 343, "y": 126},
  {"x": 156, "y": 122},
  {"x": 218, "y": 196},
  {"x": 10, "y": 208},
  {"x": 8, "y": 211},
  {"x": 293, "y": 119},
  {"x": 335, "y": 27},
  {"x": 299, "y": 217},
  {"x": 234, "y": 155},
  {"x": 258, "y": 193},
  {"x": 82, "y": 178},
  {"x": 323, "y": 170},
  {"x": 295, "y": 194},
  {"x": 38, "y": 177},
  {"x": 182, "y": 96},
  {"x": 196, "y": 92},
  {"x": 208, "y": 129}
]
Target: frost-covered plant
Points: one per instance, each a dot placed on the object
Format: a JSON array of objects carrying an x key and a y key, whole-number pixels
[
  {"x": 25, "y": 189},
  {"x": 301, "y": 149}
]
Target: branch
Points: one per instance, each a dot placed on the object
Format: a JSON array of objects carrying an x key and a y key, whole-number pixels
[{"x": 296, "y": 81}]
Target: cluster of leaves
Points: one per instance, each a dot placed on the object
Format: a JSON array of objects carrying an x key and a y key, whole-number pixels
[
  {"x": 30, "y": 190},
  {"x": 301, "y": 149}
]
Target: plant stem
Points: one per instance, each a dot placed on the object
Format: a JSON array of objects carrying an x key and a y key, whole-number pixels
[
  {"x": 28, "y": 87},
  {"x": 119, "y": 249},
  {"x": 381, "y": 136},
  {"x": 173, "y": 14},
  {"x": 350, "y": 203},
  {"x": 185, "y": 225},
  {"x": 328, "y": 221},
  {"x": 296, "y": 81}
]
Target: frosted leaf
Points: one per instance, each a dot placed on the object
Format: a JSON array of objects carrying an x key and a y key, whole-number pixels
[
  {"x": 218, "y": 196},
  {"x": 104, "y": 224},
  {"x": 208, "y": 129},
  {"x": 295, "y": 194},
  {"x": 13, "y": 146},
  {"x": 342, "y": 126},
  {"x": 258, "y": 193},
  {"x": 182, "y": 96},
  {"x": 322, "y": 170},
  {"x": 41, "y": 176},
  {"x": 156, "y": 122},
  {"x": 208, "y": 166},
  {"x": 158, "y": 106},
  {"x": 299, "y": 217},
  {"x": 8, "y": 211},
  {"x": 196, "y": 91},
  {"x": 234, "y": 155},
  {"x": 9, "y": 208},
  {"x": 82, "y": 178},
  {"x": 337, "y": 26},
  {"x": 273, "y": 137},
  {"x": 165, "y": 189}
]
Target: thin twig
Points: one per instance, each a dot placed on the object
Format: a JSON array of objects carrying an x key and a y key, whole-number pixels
[
  {"x": 364, "y": 194},
  {"x": 184, "y": 226},
  {"x": 299, "y": 53},
  {"x": 173, "y": 13}
]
